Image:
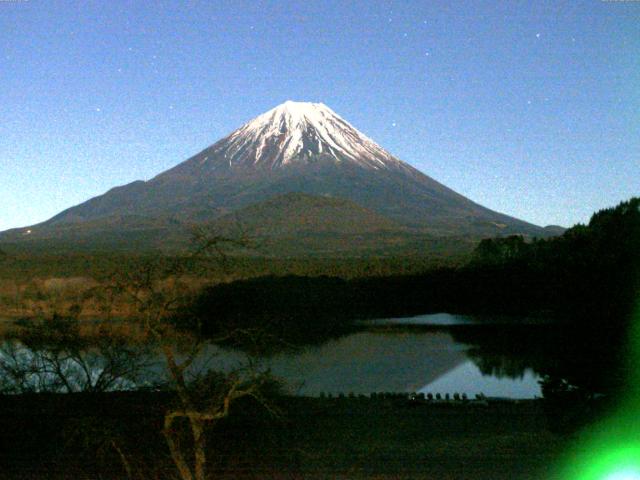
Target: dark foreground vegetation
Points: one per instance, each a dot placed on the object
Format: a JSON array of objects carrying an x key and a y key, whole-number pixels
[{"x": 115, "y": 436}]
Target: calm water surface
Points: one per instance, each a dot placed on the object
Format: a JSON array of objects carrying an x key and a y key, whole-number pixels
[
  {"x": 401, "y": 358},
  {"x": 398, "y": 360}
]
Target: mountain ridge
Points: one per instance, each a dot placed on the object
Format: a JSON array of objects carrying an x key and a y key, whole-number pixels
[{"x": 295, "y": 147}]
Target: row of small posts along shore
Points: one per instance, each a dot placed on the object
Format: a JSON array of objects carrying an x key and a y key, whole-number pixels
[{"x": 413, "y": 397}]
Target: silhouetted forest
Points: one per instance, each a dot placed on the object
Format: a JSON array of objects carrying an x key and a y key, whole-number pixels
[
  {"x": 589, "y": 274},
  {"x": 591, "y": 270}
]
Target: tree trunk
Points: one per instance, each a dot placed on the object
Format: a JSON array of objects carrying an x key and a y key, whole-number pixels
[
  {"x": 199, "y": 448},
  {"x": 123, "y": 459},
  {"x": 174, "y": 449}
]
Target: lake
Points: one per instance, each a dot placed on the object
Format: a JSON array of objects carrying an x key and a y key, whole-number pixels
[
  {"x": 368, "y": 362},
  {"x": 439, "y": 353},
  {"x": 399, "y": 360}
]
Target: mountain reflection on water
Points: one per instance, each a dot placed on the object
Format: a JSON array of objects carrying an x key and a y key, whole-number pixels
[{"x": 444, "y": 357}]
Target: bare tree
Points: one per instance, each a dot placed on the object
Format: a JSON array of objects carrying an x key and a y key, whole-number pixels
[
  {"x": 52, "y": 356},
  {"x": 202, "y": 399}
]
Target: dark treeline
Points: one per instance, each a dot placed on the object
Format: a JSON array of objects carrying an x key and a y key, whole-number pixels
[
  {"x": 21, "y": 265},
  {"x": 591, "y": 271}
]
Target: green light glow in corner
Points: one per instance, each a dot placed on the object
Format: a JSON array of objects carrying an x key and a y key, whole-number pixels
[
  {"x": 624, "y": 475},
  {"x": 621, "y": 464},
  {"x": 611, "y": 449},
  {"x": 606, "y": 456}
]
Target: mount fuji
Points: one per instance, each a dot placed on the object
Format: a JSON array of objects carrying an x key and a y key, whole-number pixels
[{"x": 298, "y": 169}]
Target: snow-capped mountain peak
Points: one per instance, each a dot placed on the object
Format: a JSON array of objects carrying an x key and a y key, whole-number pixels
[
  {"x": 295, "y": 148},
  {"x": 296, "y": 132}
]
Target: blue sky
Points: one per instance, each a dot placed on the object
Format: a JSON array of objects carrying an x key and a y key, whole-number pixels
[{"x": 529, "y": 108}]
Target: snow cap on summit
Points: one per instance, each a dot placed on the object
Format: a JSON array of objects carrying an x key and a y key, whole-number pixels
[{"x": 296, "y": 132}]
